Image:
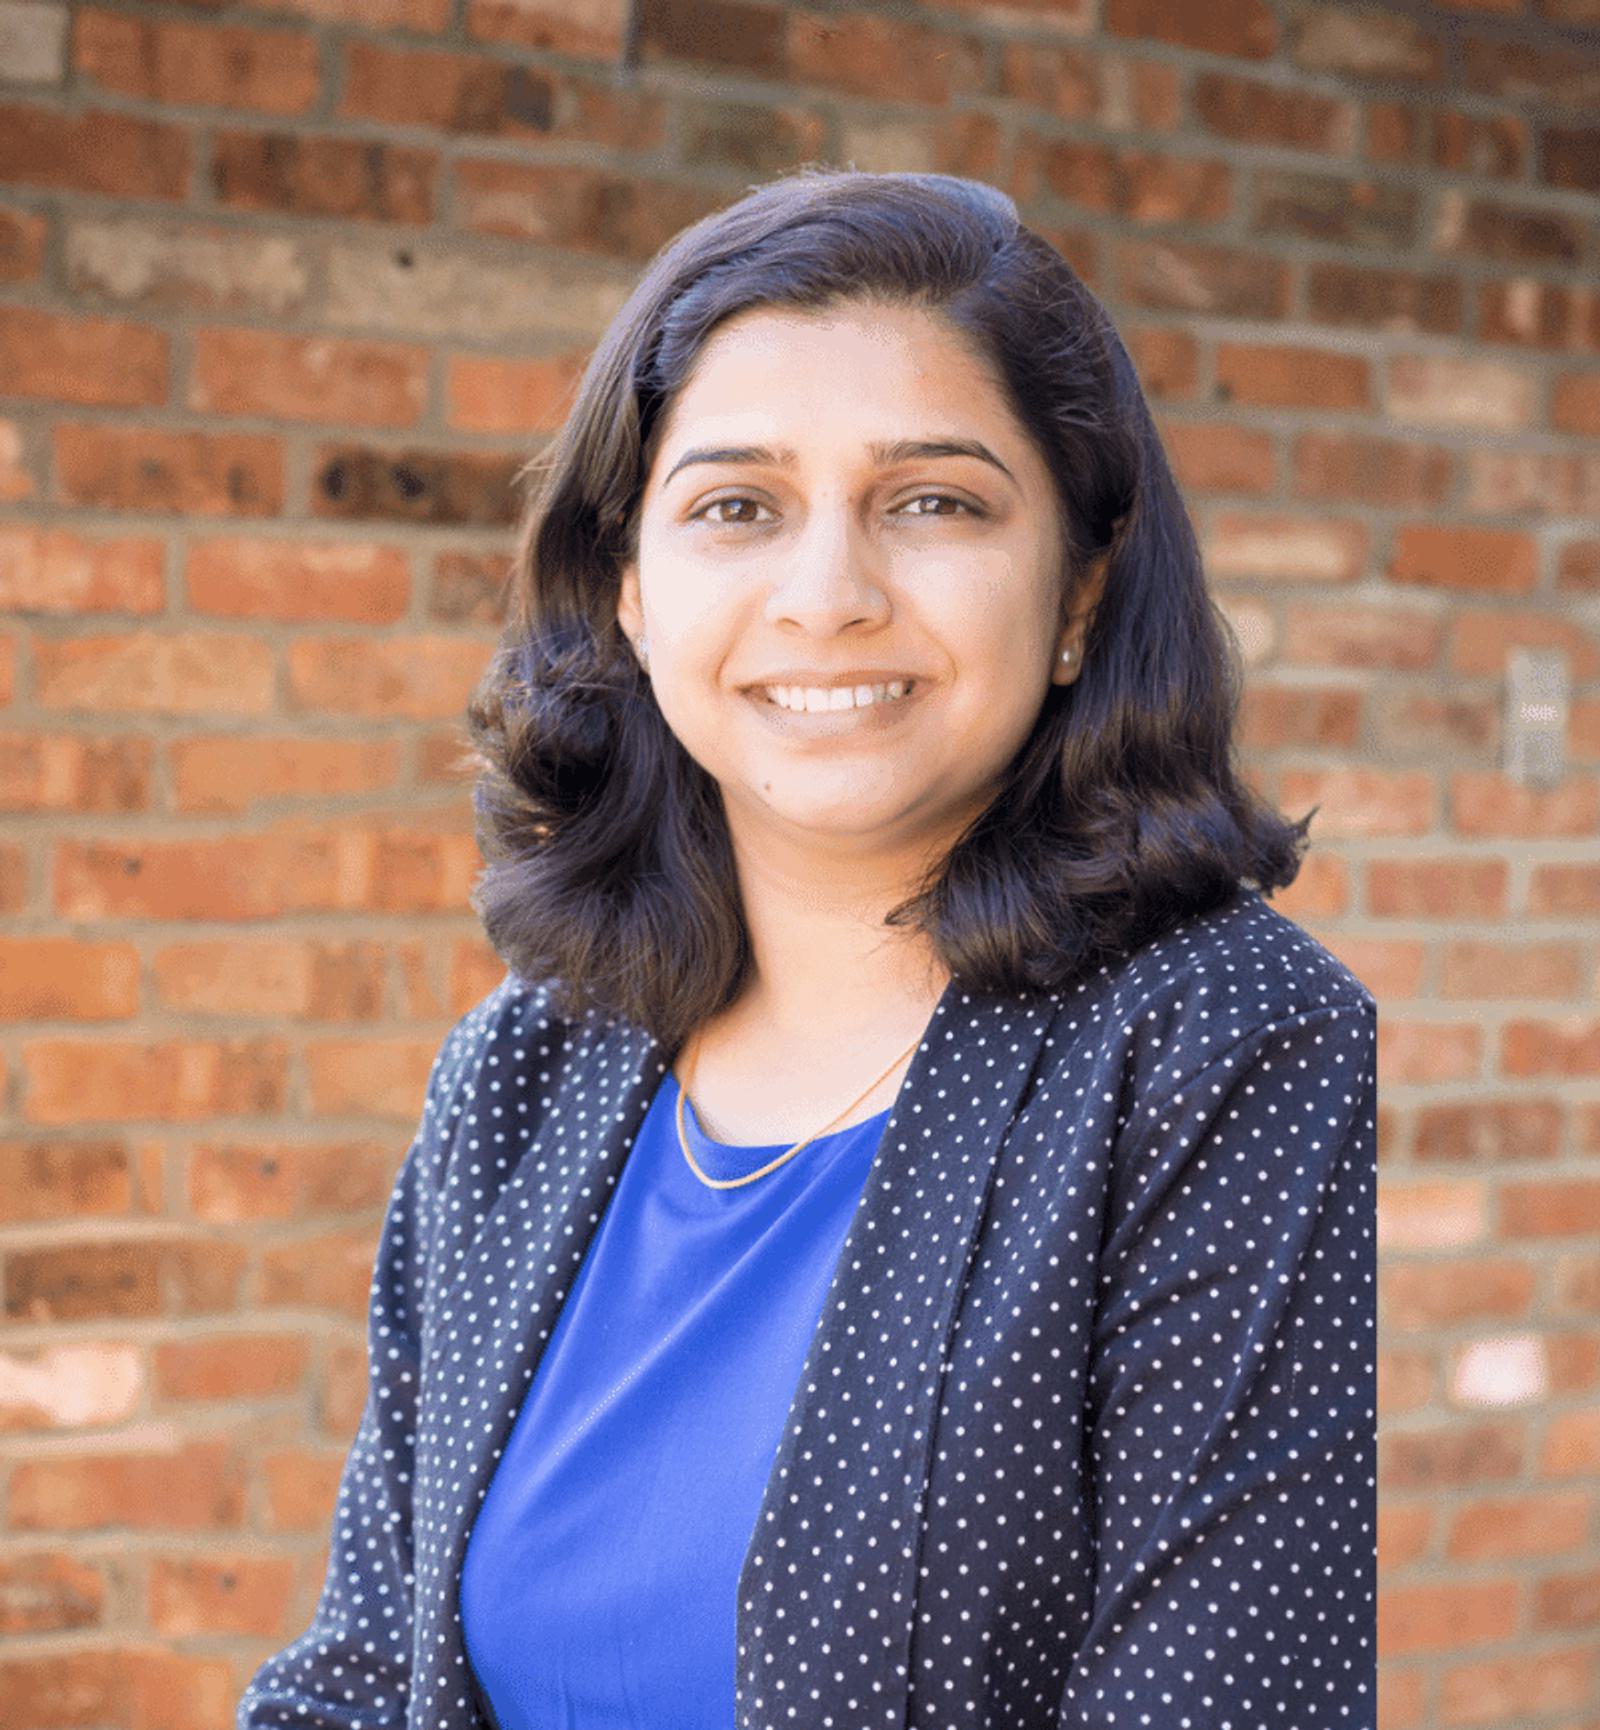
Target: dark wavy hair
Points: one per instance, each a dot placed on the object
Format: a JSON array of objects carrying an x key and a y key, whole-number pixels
[{"x": 609, "y": 873}]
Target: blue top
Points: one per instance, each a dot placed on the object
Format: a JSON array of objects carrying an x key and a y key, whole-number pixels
[{"x": 601, "y": 1578}]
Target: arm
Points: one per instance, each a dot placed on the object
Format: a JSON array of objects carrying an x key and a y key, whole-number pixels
[
  {"x": 350, "y": 1670},
  {"x": 1232, "y": 1399}
]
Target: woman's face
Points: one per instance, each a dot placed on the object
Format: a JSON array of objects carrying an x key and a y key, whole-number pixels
[{"x": 778, "y": 547}]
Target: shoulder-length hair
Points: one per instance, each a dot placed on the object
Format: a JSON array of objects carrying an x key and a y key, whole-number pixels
[{"x": 609, "y": 873}]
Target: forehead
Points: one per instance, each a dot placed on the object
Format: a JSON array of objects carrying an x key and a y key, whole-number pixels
[{"x": 872, "y": 374}]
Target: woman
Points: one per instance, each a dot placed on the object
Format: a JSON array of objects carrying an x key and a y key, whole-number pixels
[{"x": 897, "y": 1247}]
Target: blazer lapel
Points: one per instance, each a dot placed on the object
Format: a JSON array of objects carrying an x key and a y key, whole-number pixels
[{"x": 835, "y": 1546}]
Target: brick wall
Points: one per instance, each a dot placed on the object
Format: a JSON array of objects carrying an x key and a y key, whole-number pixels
[{"x": 289, "y": 290}]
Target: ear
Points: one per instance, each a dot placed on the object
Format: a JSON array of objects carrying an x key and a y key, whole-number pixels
[
  {"x": 1090, "y": 587},
  {"x": 630, "y": 611}
]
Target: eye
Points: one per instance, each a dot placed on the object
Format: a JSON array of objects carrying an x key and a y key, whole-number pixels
[
  {"x": 722, "y": 522},
  {"x": 942, "y": 498}
]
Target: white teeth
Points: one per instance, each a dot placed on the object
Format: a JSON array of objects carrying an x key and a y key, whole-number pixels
[{"x": 813, "y": 698}]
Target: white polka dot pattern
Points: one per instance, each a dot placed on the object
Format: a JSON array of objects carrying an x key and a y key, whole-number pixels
[{"x": 1084, "y": 1439}]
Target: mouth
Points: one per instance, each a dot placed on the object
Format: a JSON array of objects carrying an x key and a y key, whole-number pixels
[{"x": 834, "y": 699}]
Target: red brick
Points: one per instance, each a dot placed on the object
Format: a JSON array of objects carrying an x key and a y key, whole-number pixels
[
  {"x": 133, "y": 1688},
  {"x": 250, "y": 1183},
  {"x": 1501, "y": 1528},
  {"x": 44, "y": 1593},
  {"x": 235, "y": 775},
  {"x": 132, "y": 1487},
  {"x": 287, "y": 978},
  {"x": 1432, "y": 1216},
  {"x": 60, "y": 1180},
  {"x": 1373, "y": 215},
  {"x": 301, "y": 1488},
  {"x": 1447, "y": 1293},
  {"x": 1451, "y": 1455},
  {"x": 156, "y": 672},
  {"x": 1220, "y": 456},
  {"x": 58, "y": 571},
  {"x": 1438, "y": 888},
  {"x": 1348, "y": 635},
  {"x": 174, "y": 1080},
  {"x": 231, "y": 1366},
  {"x": 1495, "y": 969},
  {"x": 419, "y": 678},
  {"x": 109, "y": 154},
  {"x": 524, "y": 397},
  {"x": 593, "y": 31},
  {"x": 1567, "y": 1603},
  {"x": 1292, "y": 377},
  {"x": 1567, "y": 1048},
  {"x": 98, "y": 361},
  {"x": 302, "y": 582},
  {"x": 367, "y": 1077},
  {"x": 1244, "y": 31},
  {"x": 293, "y": 868},
  {"x": 424, "y": 16},
  {"x": 331, "y": 1272},
  {"x": 1521, "y": 1686},
  {"x": 1489, "y": 803},
  {"x": 472, "y": 94},
  {"x": 1447, "y": 1616},
  {"x": 1571, "y": 1444},
  {"x": 16, "y": 476},
  {"x": 254, "y": 372},
  {"x": 1394, "y": 301},
  {"x": 196, "y": 65},
  {"x": 192, "y": 1596},
  {"x": 67, "y": 979},
  {"x": 342, "y": 177},
  {"x": 22, "y": 237},
  {"x": 146, "y": 469},
  {"x": 1484, "y": 635},
  {"x": 1372, "y": 470},
  {"x": 1495, "y": 561},
  {"x": 1497, "y": 145},
  {"x": 1252, "y": 112}
]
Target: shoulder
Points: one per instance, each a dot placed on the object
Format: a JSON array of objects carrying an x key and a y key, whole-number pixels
[{"x": 1214, "y": 981}]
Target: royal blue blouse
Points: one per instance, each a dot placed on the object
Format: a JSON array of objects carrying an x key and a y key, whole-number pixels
[{"x": 600, "y": 1582}]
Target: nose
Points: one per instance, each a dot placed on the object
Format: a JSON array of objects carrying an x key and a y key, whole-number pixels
[{"x": 827, "y": 576}]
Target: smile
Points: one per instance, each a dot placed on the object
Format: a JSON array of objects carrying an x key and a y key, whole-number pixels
[{"x": 814, "y": 699}]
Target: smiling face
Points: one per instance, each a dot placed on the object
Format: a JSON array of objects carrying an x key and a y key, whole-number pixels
[{"x": 784, "y": 540}]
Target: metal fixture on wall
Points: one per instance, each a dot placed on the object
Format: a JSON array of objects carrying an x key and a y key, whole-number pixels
[{"x": 1538, "y": 689}]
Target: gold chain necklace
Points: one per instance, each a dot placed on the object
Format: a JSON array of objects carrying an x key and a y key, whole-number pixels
[{"x": 735, "y": 1182}]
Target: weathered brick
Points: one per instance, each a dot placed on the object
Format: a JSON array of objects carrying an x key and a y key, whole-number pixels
[
  {"x": 1498, "y": 561},
  {"x": 165, "y": 265},
  {"x": 48, "y": 1593},
  {"x": 191, "y": 64},
  {"x": 104, "y": 1685},
  {"x": 423, "y": 16},
  {"x": 1121, "y": 92},
  {"x": 174, "y": 1080},
  {"x": 1366, "y": 215},
  {"x": 418, "y": 677},
  {"x": 1215, "y": 280},
  {"x": 59, "y": 1180},
  {"x": 470, "y": 588},
  {"x": 75, "y": 772},
  {"x": 1292, "y": 377},
  {"x": 330, "y": 1272},
  {"x": 594, "y": 30},
  {"x": 59, "y": 571},
  {"x": 149, "y": 469},
  {"x": 1475, "y": 227},
  {"x": 1495, "y": 145},
  {"x": 1365, "y": 42},
  {"x": 33, "y": 40},
  {"x": 257, "y": 372},
  {"x": 156, "y": 672},
  {"x": 1246, "y": 30},
  {"x": 1521, "y": 1685},
  {"x": 473, "y": 94},
  {"x": 1114, "y": 180},
  {"x": 1250, "y": 111},
  {"x": 111, "y": 154},
  {"x": 16, "y": 470},
  {"x": 441, "y": 294},
  {"x": 70, "y": 1386},
  {"x": 1382, "y": 300},
  {"x": 579, "y": 209},
  {"x": 1447, "y": 1616},
  {"x": 132, "y": 1487},
  {"x": 301, "y": 1487},
  {"x": 298, "y": 979},
  {"x": 1462, "y": 391},
  {"x": 1377, "y": 471},
  {"x": 343, "y": 177},
  {"x": 465, "y": 488},
  {"x": 302, "y": 582}
]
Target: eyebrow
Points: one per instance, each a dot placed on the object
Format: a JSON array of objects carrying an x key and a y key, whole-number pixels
[{"x": 882, "y": 452}]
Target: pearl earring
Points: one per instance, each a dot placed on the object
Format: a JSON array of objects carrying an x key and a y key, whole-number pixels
[
  {"x": 1067, "y": 654},
  {"x": 644, "y": 653}
]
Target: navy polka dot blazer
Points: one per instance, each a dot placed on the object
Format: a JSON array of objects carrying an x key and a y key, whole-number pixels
[{"x": 1085, "y": 1436}]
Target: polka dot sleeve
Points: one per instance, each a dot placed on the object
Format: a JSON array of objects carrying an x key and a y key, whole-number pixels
[
  {"x": 352, "y": 1665},
  {"x": 1231, "y": 1402}
]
